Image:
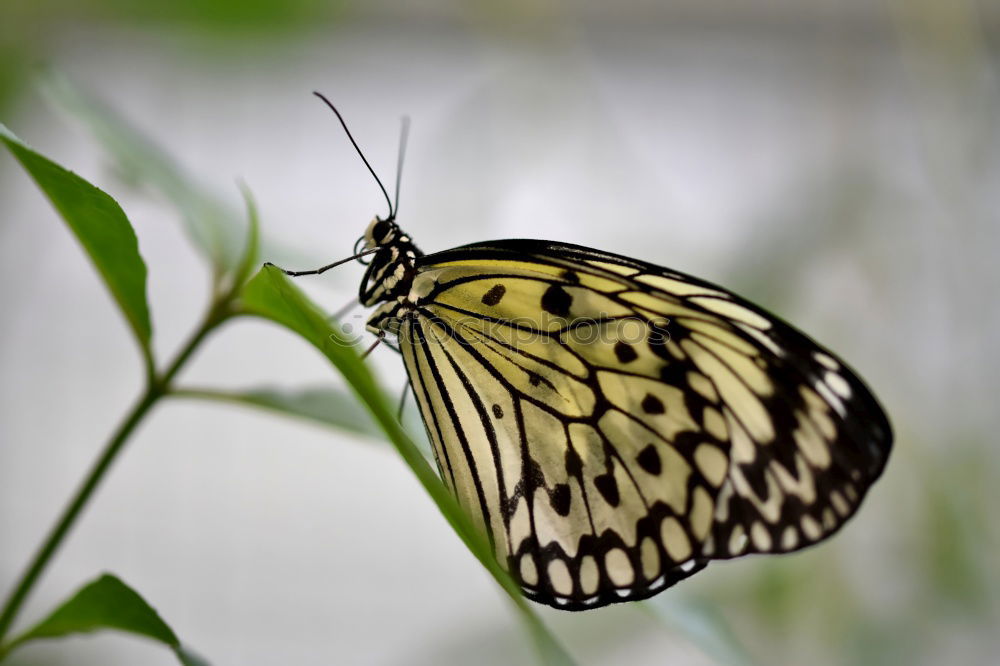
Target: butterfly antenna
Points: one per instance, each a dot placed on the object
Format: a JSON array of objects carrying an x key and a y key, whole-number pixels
[
  {"x": 404, "y": 133},
  {"x": 392, "y": 212}
]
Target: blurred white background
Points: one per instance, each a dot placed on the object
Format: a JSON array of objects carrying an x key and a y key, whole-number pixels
[{"x": 836, "y": 163}]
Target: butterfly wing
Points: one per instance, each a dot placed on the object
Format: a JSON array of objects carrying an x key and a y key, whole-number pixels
[{"x": 613, "y": 425}]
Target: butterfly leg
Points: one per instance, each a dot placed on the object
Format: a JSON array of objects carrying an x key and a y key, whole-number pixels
[
  {"x": 340, "y": 313},
  {"x": 402, "y": 401},
  {"x": 380, "y": 340},
  {"x": 323, "y": 269}
]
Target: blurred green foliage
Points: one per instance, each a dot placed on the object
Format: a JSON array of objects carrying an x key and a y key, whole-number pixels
[
  {"x": 29, "y": 29},
  {"x": 215, "y": 14}
]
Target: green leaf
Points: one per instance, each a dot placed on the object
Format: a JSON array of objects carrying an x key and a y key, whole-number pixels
[
  {"x": 251, "y": 251},
  {"x": 101, "y": 227},
  {"x": 107, "y": 603},
  {"x": 271, "y": 296},
  {"x": 326, "y": 405}
]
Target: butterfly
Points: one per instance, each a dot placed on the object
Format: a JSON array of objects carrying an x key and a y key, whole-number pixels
[{"x": 612, "y": 425}]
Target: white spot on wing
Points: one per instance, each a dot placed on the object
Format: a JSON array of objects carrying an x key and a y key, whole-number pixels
[
  {"x": 674, "y": 540},
  {"x": 826, "y": 359},
  {"x": 529, "y": 574},
  {"x": 559, "y": 577},
  {"x": 831, "y": 398},
  {"x": 619, "y": 567},
  {"x": 760, "y": 536},
  {"x": 589, "y": 575},
  {"x": 762, "y": 338},
  {"x": 838, "y": 384},
  {"x": 737, "y": 540},
  {"x": 810, "y": 528},
  {"x": 790, "y": 538},
  {"x": 732, "y": 310},
  {"x": 677, "y": 286}
]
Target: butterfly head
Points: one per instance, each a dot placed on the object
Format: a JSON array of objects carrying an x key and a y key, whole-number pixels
[{"x": 380, "y": 232}]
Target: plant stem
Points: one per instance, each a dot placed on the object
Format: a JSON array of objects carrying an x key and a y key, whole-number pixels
[{"x": 157, "y": 387}]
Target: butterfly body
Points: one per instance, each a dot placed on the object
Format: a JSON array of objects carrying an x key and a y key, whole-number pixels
[{"x": 613, "y": 425}]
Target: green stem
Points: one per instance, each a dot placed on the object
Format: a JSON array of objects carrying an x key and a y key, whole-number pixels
[{"x": 157, "y": 387}]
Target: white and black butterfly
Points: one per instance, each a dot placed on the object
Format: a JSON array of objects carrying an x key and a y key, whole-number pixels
[{"x": 613, "y": 425}]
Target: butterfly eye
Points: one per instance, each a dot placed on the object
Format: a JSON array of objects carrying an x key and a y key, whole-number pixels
[{"x": 382, "y": 231}]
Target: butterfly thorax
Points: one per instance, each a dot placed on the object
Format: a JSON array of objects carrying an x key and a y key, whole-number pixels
[
  {"x": 392, "y": 268},
  {"x": 390, "y": 275}
]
